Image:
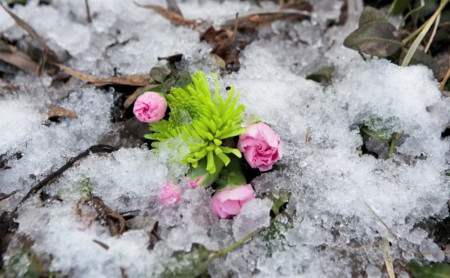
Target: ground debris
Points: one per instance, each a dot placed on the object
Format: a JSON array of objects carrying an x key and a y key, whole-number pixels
[
  {"x": 58, "y": 112},
  {"x": 131, "y": 80},
  {"x": 48, "y": 54},
  {"x": 104, "y": 214},
  {"x": 11, "y": 55},
  {"x": 172, "y": 13}
]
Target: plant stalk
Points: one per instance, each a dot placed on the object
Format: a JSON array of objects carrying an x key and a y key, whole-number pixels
[
  {"x": 426, "y": 27},
  {"x": 227, "y": 249}
]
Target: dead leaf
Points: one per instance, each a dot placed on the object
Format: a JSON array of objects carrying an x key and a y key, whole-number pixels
[
  {"x": 388, "y": 258},
  {"x": 173, "y": 7},
  {"x": 4, "y": 196},
  {"x": 228, "y": 50},
  {"x": 254, "y": 21},
  {"x": 47, "y": 50},
  {"x": 6, "y": 86},
  {"x": 301, "y": 5},
  {"x": 131, "y": 98},
  {"x": 104, "y": 214},
  {"x": 19, "y": 59},
  {"x": 172, "y": 59},
  {"x": 131, "y": 80},
  {"x": 173, "y": 16},
  {"x": 212, "y": 35},
  {"x": 57, "y": 112}
]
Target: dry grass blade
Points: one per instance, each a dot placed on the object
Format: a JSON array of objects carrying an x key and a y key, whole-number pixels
[
  {"x": 56, "y": 112},
  {"x": 382, "y": 222},
  {"x": 307, "y": 138},
  {"x": 131, "y": 80},
  {"x": 444, "y": 81},
  {"x": 88, "y": 11},
  {"x": 131, "y": 98},
  {"x": 27, "y": 28},
  {"x": 19, "y": 59},
  {"x": 433, "y": 33},
  {"x": 259, "y": 20},
  {"x": 172, "y": 16},
  {"x": 103, "y": 245},
  {"x": 173, "y": 7},
  {"x": 426, "y": 28},
  {"x": 388, "y": 258}
]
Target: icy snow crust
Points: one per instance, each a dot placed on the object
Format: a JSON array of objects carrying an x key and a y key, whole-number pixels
[{"x": 333, "y": 188}]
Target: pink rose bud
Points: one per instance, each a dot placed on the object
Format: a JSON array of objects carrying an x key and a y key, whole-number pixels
[
  {"x": 261, "y": 146},
  {"x": 229, "y": 202},
  {"x": 195, "y": 182},
  {"x": 169, "y": 194},
  {"x": 150, "y": 107},
  {"x": 199, "y": 176}
]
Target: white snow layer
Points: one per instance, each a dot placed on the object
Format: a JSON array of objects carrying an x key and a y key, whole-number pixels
[{"x": 334, "y": 190}]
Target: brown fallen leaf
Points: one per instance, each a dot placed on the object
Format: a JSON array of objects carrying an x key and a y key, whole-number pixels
[
  {"x": 212, "y": 35},
  {"x": 6, "y": 86},
  {"x": 254, "y": 21},
  {"x": 18, "y": 59},
  {"x": 57, "y": 112},
  {"x": 131, "y": 80},
  {"x": 104, "y": 214},
  {"x": 301, "y": 5},
  {"x": 228, "y": 50},
  {"x": 172, "y": 14},
  {"x": 48, "y": 53},
  {"x": 131, "y": 98},
  {"x": 173, "y": 7}
]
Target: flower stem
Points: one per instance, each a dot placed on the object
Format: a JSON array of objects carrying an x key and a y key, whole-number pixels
[
  {"x": 391, "y": 9},
  {"x": 230, "y": 247}
]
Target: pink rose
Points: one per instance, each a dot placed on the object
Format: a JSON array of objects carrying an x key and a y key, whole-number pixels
[
  {"x": 150, "y": 107},
  {"x": 228, "y": 202},
  {"x": 169, "y": 194},
  {"x": 261, "y": 146},
  {"x": 194, "y": 183}
]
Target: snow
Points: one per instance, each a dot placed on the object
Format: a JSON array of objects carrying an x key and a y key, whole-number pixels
[
  {"x": 338, "y": 196},
  {"x": 254, "y": 215}
]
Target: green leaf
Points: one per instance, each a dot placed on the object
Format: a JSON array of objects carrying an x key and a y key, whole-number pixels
[
  {"x": 419, "y": 57},
  {"x": 191, "y": 264},
  {"x": 274, "y": 236},
  {"x": 159, "y": 88},
  {"x": 24, "y": 264},
  {"x": 231, "y": 176},
  {"x": 370, "y": 14},
  {"x": 280, "y": 200},
  {"x": 201, "y": 121},
  {"x": 159, "y": 74},
  {"x": 383, "y": 135},
  {"x": 400, "y": 6},
  {"x": 322, "y": 75},
  {"x": 85, "y": 187},
  {"x": 184, "y": 78},
  {"x": 4, "y": 47},
  {"x": 376, "y": 38},
  {"x": 438, "y": 270},
  {"x": 205, "y": 179}
]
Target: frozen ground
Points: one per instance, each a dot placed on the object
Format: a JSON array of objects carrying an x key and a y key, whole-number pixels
[{"x": 328, "y": 229}]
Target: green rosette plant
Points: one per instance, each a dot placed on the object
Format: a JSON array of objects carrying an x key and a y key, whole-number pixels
[{"x": 203, "y": 120}]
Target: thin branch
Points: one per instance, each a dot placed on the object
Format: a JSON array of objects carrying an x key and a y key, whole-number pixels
[{"x": 88, "y": 11}]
